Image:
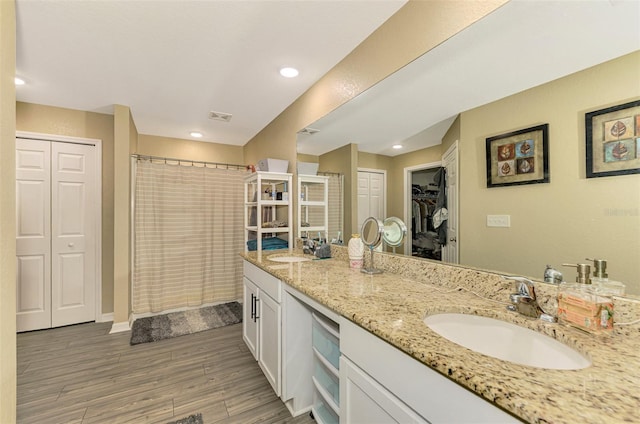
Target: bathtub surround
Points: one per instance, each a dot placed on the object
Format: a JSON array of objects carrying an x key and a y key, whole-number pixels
[{"x": 175, "y": 324}]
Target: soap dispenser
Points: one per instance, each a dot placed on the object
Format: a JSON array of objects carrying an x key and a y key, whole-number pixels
[
  {"x": 583, "y": 304},
  {"x": 583, "y": 273},
  {"x": 600, "y": 279}
]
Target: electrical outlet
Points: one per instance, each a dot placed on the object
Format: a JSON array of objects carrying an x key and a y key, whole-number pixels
[{"x": 498, "y": 220}]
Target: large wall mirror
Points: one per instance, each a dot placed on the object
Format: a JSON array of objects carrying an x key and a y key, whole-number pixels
[{"x": 526, "y": 64}]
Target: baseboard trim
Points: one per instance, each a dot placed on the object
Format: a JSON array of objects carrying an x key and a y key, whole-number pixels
[
  {"x": 106, "y": 317},
  {"x": 119, "y": 327}
]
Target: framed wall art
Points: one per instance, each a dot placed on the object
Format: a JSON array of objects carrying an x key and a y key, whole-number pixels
[
  {"x": 613, "y": 140},
  {"x": 518, "y": 157}
]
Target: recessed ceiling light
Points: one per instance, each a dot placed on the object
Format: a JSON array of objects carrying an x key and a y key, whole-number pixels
[
  {"x": 289, "y": 72},
  {"x": 195, "y": 134},
  {"x": 18, "y": 81},
  {"x": 397, "y": 146}
]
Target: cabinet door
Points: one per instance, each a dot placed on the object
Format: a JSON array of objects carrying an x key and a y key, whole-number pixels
[
  {"x": 249, "y": 324},
  {"x": 363, "y": 400},
  {"x": 269, "y": 339}
]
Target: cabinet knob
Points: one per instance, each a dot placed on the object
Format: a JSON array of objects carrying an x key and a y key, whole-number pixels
[
  {"x": 70, "y": 245},
  {"x": 453, "y": 239}
]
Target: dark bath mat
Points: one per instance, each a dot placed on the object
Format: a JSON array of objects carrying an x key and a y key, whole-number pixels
[
  {"x": 191, "y": 419},
  {"x": 174, "y": 324}
]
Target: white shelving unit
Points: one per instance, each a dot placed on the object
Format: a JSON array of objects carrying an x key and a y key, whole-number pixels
[
  {"x": 313, "y": 192},
  {"x": 326, "y": 374},
  {"x": 255, "y": 202}
]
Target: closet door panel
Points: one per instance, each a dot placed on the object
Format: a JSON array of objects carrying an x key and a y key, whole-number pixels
[
  {"x": 73, "y": 234},
  {"x": 33, "y": 235}
]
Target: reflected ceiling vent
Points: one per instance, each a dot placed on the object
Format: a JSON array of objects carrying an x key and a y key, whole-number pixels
[
  {"x": 220, "y": 116},
  {"x": 308, "y": 131}
]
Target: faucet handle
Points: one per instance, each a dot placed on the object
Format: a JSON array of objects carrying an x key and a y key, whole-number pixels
[
  {"x": 552, "y": 275},
  {"x": 523, "y": 285}
]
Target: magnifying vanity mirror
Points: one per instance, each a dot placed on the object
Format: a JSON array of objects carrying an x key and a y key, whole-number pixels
[
  {"x": 372, "y": 233},
  {"x": 394, "y": 232}
]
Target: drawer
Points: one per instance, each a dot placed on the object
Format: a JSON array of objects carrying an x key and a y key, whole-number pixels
[
  {"x": 325, "y": 339},
  {"x": 322, "y": 412},
  {"x": 326, "y": 377},
  {"x": 265, "y": 281}
]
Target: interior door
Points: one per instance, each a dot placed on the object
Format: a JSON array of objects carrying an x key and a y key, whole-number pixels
[
  {"x": 371, "y": 196},
  {"x": 33, "y": 234},
  {"x": 73, "y": 233},
  {"x": 450, "y": 163}
]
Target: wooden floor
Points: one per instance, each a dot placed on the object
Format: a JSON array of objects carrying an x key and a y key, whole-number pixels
[{"x": 82, "y": 374}]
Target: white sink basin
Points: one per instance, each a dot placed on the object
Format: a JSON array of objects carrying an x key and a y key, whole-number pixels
[
  {"x": 288, "y": 259},
  {"x": 506, "y": 341}
]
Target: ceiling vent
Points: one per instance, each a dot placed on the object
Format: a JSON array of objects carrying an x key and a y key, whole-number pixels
[
  {"x": 220, "y": 116},
  {"x": 308, "y": 131}
]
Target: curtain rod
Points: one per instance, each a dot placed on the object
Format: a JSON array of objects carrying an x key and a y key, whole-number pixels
[{"x": 192, "y": 162}]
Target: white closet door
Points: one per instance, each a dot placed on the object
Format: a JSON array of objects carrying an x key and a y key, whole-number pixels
[
  {"x": 33, "y": 235},
  {"x": 73, "y": 233},
  {"x": 370, "y": 196}
]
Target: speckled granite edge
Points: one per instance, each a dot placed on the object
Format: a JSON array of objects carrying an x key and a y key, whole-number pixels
[
  {"x": 392, "y": 306},
  {"x": 488, "y": 283}
]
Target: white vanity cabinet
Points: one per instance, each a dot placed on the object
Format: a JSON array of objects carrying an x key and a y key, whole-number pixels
[
  {"x": 262, "y": 321},
  {"x": 379, "y": 383},
  {"x": 317, "y": 360},
  {"x": 366, "y": 401}
]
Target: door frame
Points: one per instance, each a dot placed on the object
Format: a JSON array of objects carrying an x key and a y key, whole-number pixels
[
  {"x": 98, "y": 189},
  {"x": 408, "y": 172},
  {"x": 453, "y": 149}
]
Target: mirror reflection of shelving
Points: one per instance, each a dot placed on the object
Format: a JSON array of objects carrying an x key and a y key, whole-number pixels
[
  {"x": 313, "y": 214},
  {"x": 267, "y": 211}
]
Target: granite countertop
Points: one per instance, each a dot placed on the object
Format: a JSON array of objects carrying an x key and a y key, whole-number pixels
[{"x": 393, "y": 305}]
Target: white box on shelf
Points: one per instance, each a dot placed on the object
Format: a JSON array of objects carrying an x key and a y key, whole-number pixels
[
  {"x": 307, "y": 168},
  {"x": 273, "y": 165}
]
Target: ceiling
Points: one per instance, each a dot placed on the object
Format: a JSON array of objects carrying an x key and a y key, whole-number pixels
[
  {"x": 173, "y": 61},
  {"x": 521, "y": 45}
]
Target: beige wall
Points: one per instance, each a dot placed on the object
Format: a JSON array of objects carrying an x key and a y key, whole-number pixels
[
  {"x": 374, "y": 161},
  {"x": 452, "y": 135},
  {"x": 307, "y": 158},
  {"x": 572, "y": 217},
  {"x": 344, "y": 160},
  {"x": 395, "y": 205},
  {"x": 190, "y": 150},
  {"x": 7, "y": 213},
  {"x": 75, "y": 123},
  {"x": 125, "y": 135}
]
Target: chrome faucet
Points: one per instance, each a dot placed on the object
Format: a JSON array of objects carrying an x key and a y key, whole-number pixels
[{"x": 524, "y": 300}]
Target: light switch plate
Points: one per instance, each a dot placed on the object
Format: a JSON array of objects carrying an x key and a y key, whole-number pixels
[{"x": 498, "y": 220}]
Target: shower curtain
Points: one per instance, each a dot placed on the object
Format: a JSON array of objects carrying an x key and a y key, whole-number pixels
[
  {"x": 188, "y": 223},
  {"x": 336, "y": 208}
]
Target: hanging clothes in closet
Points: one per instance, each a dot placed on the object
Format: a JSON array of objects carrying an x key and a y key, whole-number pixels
[{"x": 424, "y": 236}]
